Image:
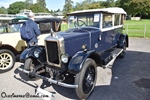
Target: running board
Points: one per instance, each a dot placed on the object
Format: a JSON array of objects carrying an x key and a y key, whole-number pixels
[
  {"x": 115, "y": 54},
  {"x": 48, "y": 79}
]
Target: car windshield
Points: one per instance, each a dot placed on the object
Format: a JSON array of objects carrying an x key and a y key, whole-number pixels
[
  {"x": 15, "y": 27},
  {"x": 3, "y": 29},
  {"x": 84, "y": 20}
]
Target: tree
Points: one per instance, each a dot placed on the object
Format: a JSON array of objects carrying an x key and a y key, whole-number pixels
[
  {"x": 125, "y": 5},
  {"x": 141, "y": 7},
  {"x": 94, "y": 5},
  {"x": 78, "y": 6},
  {"x": 42, "y": 3},
  {"x": 28, "y": 3},
  {"x": 58, "y": 10},
  {"x": 87, "y": 4},
  {"x": 37, "y": 8},
  {"x": 108, "y": 3},
  {"x": 3, "y": 10},
  {"x": 135, "y": 7},
  {"x": 68, "y": 7},
  {"x": 15, "y": 7}
]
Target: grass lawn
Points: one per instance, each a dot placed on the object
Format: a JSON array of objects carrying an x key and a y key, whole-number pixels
[
  {"x": 132, "y": 28},
  {"x": 137, "y": 28},
  {"x": 64, "y": 27}
]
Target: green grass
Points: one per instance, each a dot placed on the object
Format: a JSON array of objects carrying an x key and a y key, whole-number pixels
[
  {"x": 132, "y": 28},
  {"x": 64, "y": 27},
  {"x": 137, "y": 28}
]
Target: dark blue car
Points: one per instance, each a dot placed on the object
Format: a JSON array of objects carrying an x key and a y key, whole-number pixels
[{"x": 94, "y": 39}]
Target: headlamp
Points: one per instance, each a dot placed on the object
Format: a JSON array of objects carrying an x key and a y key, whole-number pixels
[
  {"x": 64, "y": 58},
  {"x": 36, "y": 53}
]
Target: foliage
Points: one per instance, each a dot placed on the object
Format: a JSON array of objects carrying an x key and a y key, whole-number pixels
[
  {"x": 109, "y": 3},
  {"x": 28, "y": 3},
  {"x": 132, "y": 7},
  {"x": 40, "y": 6},
  {"x": 141, "y": 7},
  {"x": 37, "y": 8},
  {"x": 87, "y": 4},
  {"x": 15, "y": 7},
  {"x": 3, "y": 10},
  {"x": 42, "y": 3},
  {"x": 135, "y": 7},
  {"x": 68, "y": 7}
]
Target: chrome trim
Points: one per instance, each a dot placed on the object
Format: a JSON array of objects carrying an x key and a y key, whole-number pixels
[
  {"x": 0, "y": 43},
  {"x": 60, "y": 44},
  {"x": 49, "y": 79}
]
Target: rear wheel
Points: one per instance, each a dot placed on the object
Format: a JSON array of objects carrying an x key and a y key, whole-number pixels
[
  {"x": 7, "y": 60},
  {"x": 122, "y": 54},
  {"x": 86, "y": 79}
]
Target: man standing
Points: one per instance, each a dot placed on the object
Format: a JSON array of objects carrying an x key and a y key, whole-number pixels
[{"x": 34, "y": 28}]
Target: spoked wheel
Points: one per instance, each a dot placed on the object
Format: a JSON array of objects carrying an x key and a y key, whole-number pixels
[
  {"x": 7, "y": 60},
  {"x": 86, "y": 79}
]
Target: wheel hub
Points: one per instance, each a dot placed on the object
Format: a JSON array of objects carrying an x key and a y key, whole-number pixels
[
  {"x": 5, "y": 61},
  {"x": 89, "y": 80}
]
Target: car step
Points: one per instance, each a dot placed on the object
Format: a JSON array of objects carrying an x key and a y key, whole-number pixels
[{"x": 115, "y": 53}]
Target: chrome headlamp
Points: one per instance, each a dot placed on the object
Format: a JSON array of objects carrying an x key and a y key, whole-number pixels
[
  {"x": 64, "y": 58},
  {"x": 36, "y": 53}
]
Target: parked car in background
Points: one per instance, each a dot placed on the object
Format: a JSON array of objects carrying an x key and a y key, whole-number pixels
[
  {"x": 11, "y": 43},
  {"x": 94, "y": 39}
]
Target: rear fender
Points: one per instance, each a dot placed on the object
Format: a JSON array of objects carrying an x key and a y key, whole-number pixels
[
  {"x": 29, "y": 53},
  {"x": 121, "y": 40},
  {"x": 76, "y": 63}
]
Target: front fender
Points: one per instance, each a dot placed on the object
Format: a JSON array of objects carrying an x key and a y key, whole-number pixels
[
  {"x": 29, "y": 53},
  {"x": 76, "y": 63}
]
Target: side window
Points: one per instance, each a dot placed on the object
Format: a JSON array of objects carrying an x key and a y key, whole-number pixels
[
  {"x": 122, "y": 19},
  {"x": 107, "y": 21},
  {"x": 117, "y": 19}
]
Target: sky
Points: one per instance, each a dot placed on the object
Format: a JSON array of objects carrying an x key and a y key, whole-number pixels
[{"x": 50, "y": 4}]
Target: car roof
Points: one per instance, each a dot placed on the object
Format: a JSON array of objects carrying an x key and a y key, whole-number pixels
[
  {"x": 113, "y": 10},
  {"x": 39, "y": 20},
  {"x": 53, "y": 19}
]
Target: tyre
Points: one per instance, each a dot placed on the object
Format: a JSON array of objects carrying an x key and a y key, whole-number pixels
[
  {"x": 86, "y": 79},
  {"x": 29, "y": 65},
  {"x": 7, "y": 60},
  {"x": 122, "y": 54}
]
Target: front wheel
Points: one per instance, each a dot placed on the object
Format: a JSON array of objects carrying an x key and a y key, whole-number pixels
[
  {"x": 86, "y": 79},
  {"x": 7, "y": 60},
  {"x": 29, "y": 65}
]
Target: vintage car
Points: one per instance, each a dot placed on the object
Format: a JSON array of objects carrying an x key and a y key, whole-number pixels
[
  {"x": 94, "y": 39},
  {"x": 11, "y": 43}
]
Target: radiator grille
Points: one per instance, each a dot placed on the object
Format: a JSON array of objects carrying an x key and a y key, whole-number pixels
[{"x": 52, "y": 52}]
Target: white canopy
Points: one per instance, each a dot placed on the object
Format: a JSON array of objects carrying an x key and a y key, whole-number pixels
[{"x": 114, "y": 10}]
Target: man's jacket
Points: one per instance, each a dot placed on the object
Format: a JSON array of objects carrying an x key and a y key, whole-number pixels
[{"x": 35, "y": 30}]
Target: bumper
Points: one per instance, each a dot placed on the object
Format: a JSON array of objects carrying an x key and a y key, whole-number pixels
[{"x": 49, "y": 79}]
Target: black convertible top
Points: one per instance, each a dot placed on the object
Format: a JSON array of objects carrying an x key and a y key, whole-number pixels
[
  {"x": 43, "y": 20},
  {"x": 53, "y": 19}
]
